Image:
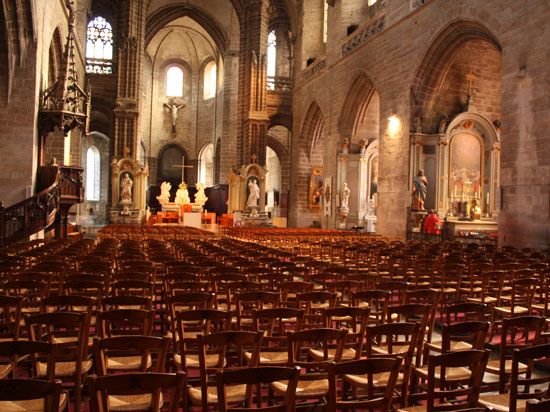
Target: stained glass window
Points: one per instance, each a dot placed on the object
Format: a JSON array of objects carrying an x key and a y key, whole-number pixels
[{"x": 99, "y": 46}]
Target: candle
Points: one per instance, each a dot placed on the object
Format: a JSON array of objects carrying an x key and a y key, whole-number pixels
[{"x": 487, "y": 199}]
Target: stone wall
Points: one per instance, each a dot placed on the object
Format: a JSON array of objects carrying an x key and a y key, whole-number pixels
[{"x": 392, "y": 55}]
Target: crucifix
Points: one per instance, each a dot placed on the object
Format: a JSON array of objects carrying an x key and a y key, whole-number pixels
[
  {"x": 174, "y": 112},
  {"x": 182, "y": 167},
  {"x": 470, "y": 77}
]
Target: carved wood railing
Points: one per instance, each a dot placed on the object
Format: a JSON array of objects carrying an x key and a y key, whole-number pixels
[{"x": 41, "y": 211}]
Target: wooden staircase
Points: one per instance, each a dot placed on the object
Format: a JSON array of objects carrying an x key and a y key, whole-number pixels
[{"x": 59, "y": 188}]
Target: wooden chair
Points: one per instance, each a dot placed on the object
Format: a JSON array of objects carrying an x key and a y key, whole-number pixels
[
  {"x": 275, "y": 324},
  {"x": 126, "y": 302},
  {"x": 220, "y": 346},
  {"x": 31, "y": 291},
  {"x": 412, "y": 312},
  {"x": 254, "y": 378},
  {"x": 313, "y": 382},
  {"x": 31, "y": 395},
  {"x": 313, "y": 303},
  {"x": 516, "y": 333},
  {"x": 187, "y": 326},
  {"x": 69, "y": 331},
  {"x": 376, "y": 300},
  {"x": 521, "y": 389},
  {"x": 246, "y": 303},
  {"x": 125, "y": 322},
  {"x": 352, "y": 319},
  {"x": 17, "y": 350},
  {"x": 444, "y": 395},
  {"x": 103, "y": 389},
  {"x": 390, "y": 340},
  {"x": 376, "y": 396},
  {"x": 428, "y": 297},
  {"x": 10, "y": 317},
  {"x": 109, "y": 354}
]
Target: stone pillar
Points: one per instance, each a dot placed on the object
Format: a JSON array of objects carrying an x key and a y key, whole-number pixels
[
  {"x": 253, "y": 91},
  {"x": 130, "y": 42}
]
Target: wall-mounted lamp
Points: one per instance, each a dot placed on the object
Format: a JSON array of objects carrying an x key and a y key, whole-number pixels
[{"x": 394, "y": 125}]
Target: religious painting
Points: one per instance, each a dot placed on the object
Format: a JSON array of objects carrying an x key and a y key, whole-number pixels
[
  {"x": 316, "y": 185},
  {"x": 465, "y": 166}
]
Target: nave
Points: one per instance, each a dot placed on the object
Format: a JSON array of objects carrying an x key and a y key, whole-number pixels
[{"x": 177, "y": 318}]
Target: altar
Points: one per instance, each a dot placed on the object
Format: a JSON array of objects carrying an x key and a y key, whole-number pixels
[
  {"x": 466, "y": 230},
  {"x": 192, "y": 219}
]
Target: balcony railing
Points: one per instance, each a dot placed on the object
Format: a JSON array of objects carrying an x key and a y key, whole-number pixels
[{"x": 279, "y": 84}]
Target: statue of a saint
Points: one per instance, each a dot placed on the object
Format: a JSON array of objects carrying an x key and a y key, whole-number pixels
[
  {"x": 182, "y": 195},
  {"x": 254, "y": 195},
  {"x": 126, "y": 185},
  {"x": 344, "y": 194},
  {"x": 345, "y": 146},
  {"x": 174, "y": 112},
  {"x": 164, "y": 196},
  {"x": 200, "y": 196},
  {"x": 420, "y": 190}
]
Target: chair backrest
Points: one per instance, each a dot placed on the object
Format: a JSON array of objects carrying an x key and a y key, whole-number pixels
[
  {"x": 10, "y": 316},
  {"x": 321, "y": 338},
  {"x": 125, "y": 322},
  {"x": 466, "y": 311},
  {"x": 137, "y": 384},
  {"x": 377, "y": 300},
  {"x": 131, "y": 346},
  {"x": 354, "y": 320},
  {"x": 517, "y": 333},
  {"x": 472, "y": 331},
  {"x": 381, "y": 400},
  {"x": 528, "y": 387},
  {"x": 246, "y": 303},
  {"x": 254, "y": 378},
  {"x": 126, "y": 301},
  {"x": 219, "y": 345},
  {"x": 468, "y": 391},
  {"x": 30, "y": 389},
  {"x": 37, "y": 350}
]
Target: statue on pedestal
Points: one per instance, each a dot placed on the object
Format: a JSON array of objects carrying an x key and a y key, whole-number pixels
[
  {"x": 254, "y": 194},
  {"x": 164, "y": 196},
  {"x": 420, "y": 190},
  {"x": 200, "y": 196},
  {"x": 182, "y": 195},
  {"x": 126, "y": 184},
  {"x": 344, "y": 202}
]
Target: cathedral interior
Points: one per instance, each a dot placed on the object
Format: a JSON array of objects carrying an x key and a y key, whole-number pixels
[
  {"x": 193, "y": 186},
  {"x": 316, "y": 93}
]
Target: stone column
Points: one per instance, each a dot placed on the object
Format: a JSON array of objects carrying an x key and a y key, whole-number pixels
[
  {"x": 130, "y": 41},
  {"x": 253, "y": 90}
]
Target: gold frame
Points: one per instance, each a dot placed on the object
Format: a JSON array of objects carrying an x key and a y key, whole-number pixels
[{"x": 316, "y": 186}]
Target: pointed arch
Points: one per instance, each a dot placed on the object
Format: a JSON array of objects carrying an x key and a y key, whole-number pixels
[
  {"x": 355, "y": 105},
  {"x": 312, "y": 128},
  {"x": 439, "y": 57},
  {"x": 55, "y": 56}
]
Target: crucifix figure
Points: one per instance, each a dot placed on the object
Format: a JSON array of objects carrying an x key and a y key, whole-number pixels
[
  {"x": 182, "y": 167},
  {"x": 174, "y": 112},
  {"x": 470, "y": 77}
]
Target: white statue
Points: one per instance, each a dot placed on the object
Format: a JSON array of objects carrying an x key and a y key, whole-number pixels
[
  {"x": 200, "y": 196},
  {"x": 182, "y": 195},
  {"x": 164, "y": 196},
  {"x": 254, "y": 195},
  {"x": 126, "y": 185},
  {"x": 344, "y": 201}
]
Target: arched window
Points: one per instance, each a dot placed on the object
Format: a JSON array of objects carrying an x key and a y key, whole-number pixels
[
  {"x": 210, "y": 80},
  {"x": 99, "y": 46},
  {"x": 271, "y": 60},
  {"x": 93, "y": 174},
  {"x": 174, "y": 82},
  {"x": 206, "y": 165}
]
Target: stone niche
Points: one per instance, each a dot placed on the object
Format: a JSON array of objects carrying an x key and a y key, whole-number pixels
[{"x": 130, "y": 211}]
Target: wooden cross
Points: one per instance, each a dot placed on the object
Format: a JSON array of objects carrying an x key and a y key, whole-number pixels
[{"x": 182, "y": 167}]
